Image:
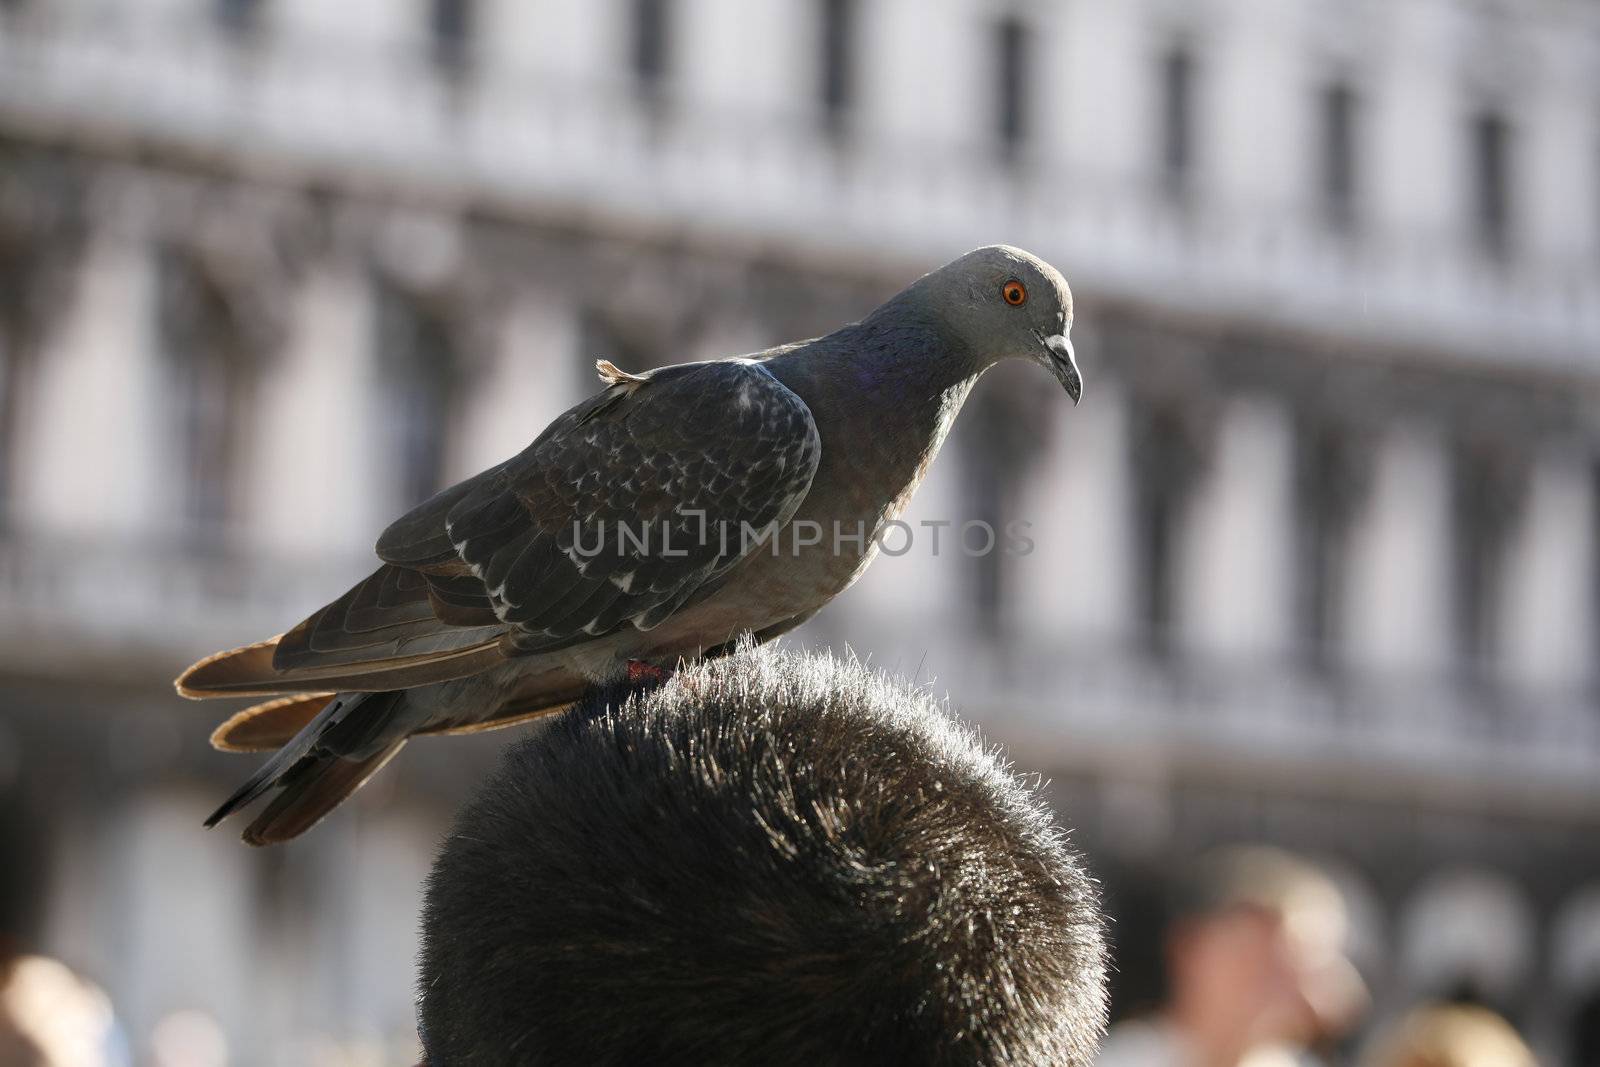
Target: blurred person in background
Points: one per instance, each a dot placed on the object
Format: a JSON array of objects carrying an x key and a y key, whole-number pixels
[
  {"x": 1450, "y": 1035},
  {"x": 1256, "y": 971},
  {"x": 771, "y": 859},
  {"x": 50, "y": 1017}
]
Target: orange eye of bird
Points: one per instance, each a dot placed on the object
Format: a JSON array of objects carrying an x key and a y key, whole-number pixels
[{"x": 1015, "y": 293}]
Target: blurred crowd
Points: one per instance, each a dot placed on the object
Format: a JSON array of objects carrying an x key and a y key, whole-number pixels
[
  {"x": 1256, "y": 973},
  {"x": 1253, "y": 961}
]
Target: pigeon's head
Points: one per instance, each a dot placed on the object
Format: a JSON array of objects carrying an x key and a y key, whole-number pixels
[{"x": 1004, "y": 303}]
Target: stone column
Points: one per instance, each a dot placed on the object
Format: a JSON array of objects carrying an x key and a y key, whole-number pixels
[
  {"x": 1398, "y": 618},
  {"x": 90, "y": 427},
  {"x": 42, "y": 233},
  {"x": 307, "y": 485},
  {"x": 1234, "y": 567},
  {"x": 1333, "y": 459},
  {"x": 1545, "y": 633},
  {"x": 1490, "y": 472},
  {"x": 1171, "y": 441},
  {"x": 534, "y": 373},
  {"x": 1078, "y": 585}
]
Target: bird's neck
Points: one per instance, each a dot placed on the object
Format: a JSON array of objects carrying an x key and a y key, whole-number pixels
[
  {"x": 898, "y": 377},
  {"x": 885, "y": 396}
]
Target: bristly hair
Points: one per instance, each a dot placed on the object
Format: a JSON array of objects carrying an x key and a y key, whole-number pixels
[{"x": 771, "y": 858}]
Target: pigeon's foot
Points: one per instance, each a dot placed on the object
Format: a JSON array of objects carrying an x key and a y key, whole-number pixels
[{"x": 640, "y": 671}]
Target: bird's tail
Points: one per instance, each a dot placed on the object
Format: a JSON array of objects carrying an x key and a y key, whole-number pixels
[
  {"x": 311, "y": 789},
  {"x": 268, "y": 726},
  {"x": 344, "y": 745}
]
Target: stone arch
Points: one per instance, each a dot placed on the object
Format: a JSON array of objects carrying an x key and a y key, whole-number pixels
[
  {"x": 436, "y": 321},
  {"x": 43, "y": 231},
  {"x": 1467, "y": 933},
  {"x": 205, "y": 337},
  {"x": 1575, "y": 973},
  {"x": 421, "y": 375}
]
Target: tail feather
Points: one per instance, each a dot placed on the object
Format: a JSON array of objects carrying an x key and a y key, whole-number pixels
[
  {"x": 342, "y": 740},
  {"x": 268, "y": 726},
  {"x": 311, "y": 789},
  {"x": 248, "y": 671},
  {"x": 350, "y": 738},
  {"x": 224, "y": 669}
]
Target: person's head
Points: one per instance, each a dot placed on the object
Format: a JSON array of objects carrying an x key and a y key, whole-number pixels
[
  {"x": 1450, "y": 1035},
  {"x": 1255, "y": 949},
  {"x": 771, "y": 858}
]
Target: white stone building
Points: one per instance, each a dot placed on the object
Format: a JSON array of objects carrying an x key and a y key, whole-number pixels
[{"x": 1316, "y": 559}]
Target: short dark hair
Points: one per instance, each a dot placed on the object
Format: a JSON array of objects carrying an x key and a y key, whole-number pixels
[{"x": 771, "y": 858}]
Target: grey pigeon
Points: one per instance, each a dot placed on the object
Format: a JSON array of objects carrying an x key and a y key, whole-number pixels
[{"x": 656, "y": 521}]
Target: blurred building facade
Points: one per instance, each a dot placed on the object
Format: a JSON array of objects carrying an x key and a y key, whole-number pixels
[{"x": 1315, "y": 561}]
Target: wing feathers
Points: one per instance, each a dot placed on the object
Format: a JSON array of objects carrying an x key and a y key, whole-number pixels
[
  {"x": 617, "y": 514},
  {"x": 316, "y": 789},
  {"x": 402, "y": 672},
  {"x": 263, "y": 727},
  {"x": 212, "y": 675}
]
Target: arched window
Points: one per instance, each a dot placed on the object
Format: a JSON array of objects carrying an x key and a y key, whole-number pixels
[
  {"x": 1165, "y": 462},
  {"x": 209, "y": 376},
  {"x": 10, "y": 385},
  {"x": 836, "y": 66},
  {"x": 42, "y": 238},
  {"x": 1583, "y": 1030},
  {"x": 1011, "y": 85},
  {"x": 1574, "y": 945},
  {"x": 450, "y": 26},
  {"x": 1492, "y": 181},
  {"x": 1005, "y": 430},
  {"x": 1177, "y": 106},
  {"x": 1330, "y": 481},
  {"x": 1488, "y": 488},
  {"x": 650, "y": 47},
  {"x": 239, "y": 18},
  {"x": 1468, "y": 935},
  {"x": 419, "y": 371},
  {"x": 1339, "y": 173}
]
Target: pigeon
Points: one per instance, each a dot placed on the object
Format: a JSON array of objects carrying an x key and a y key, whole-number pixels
[{"x": 659, "y": 521}]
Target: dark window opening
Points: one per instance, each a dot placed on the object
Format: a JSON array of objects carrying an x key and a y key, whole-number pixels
[
  {"x": 1326, "y": 491},
  {"x": 26, "y": 311},
  {"x": 1594, "y": 560},
  {"x": 1486, "y": 491},
  {"x": 421, "y": 380},
  {"x": 651, "y": 43},
  {"x": 1155, "y": 542},
  {"x": 9, "y": 408},
  {"x": 1491, "y": 137},
  {"x": 1005, "y": 430},
  {"x": 1177, "y": 118},
  {"x": 239, "y": 17},
  {"x": 1338, "y": 170},
  {"x": 208, "y": 381},
  {"x": 450, "y": 26},
  {"x": 15, "y": 269},
  {"x": 1011, "y": 89},
  {"x": 1583, "y": 1033},
  {"x": 1164, "y": 465},
  {"x": 837, "y": 73}
]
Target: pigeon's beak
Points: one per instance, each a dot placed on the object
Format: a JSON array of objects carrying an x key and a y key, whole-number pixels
[{"x": 1065, "y": 364}]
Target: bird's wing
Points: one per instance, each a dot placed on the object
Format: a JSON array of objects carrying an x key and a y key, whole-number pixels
[{"x": 626, "y": 506}]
